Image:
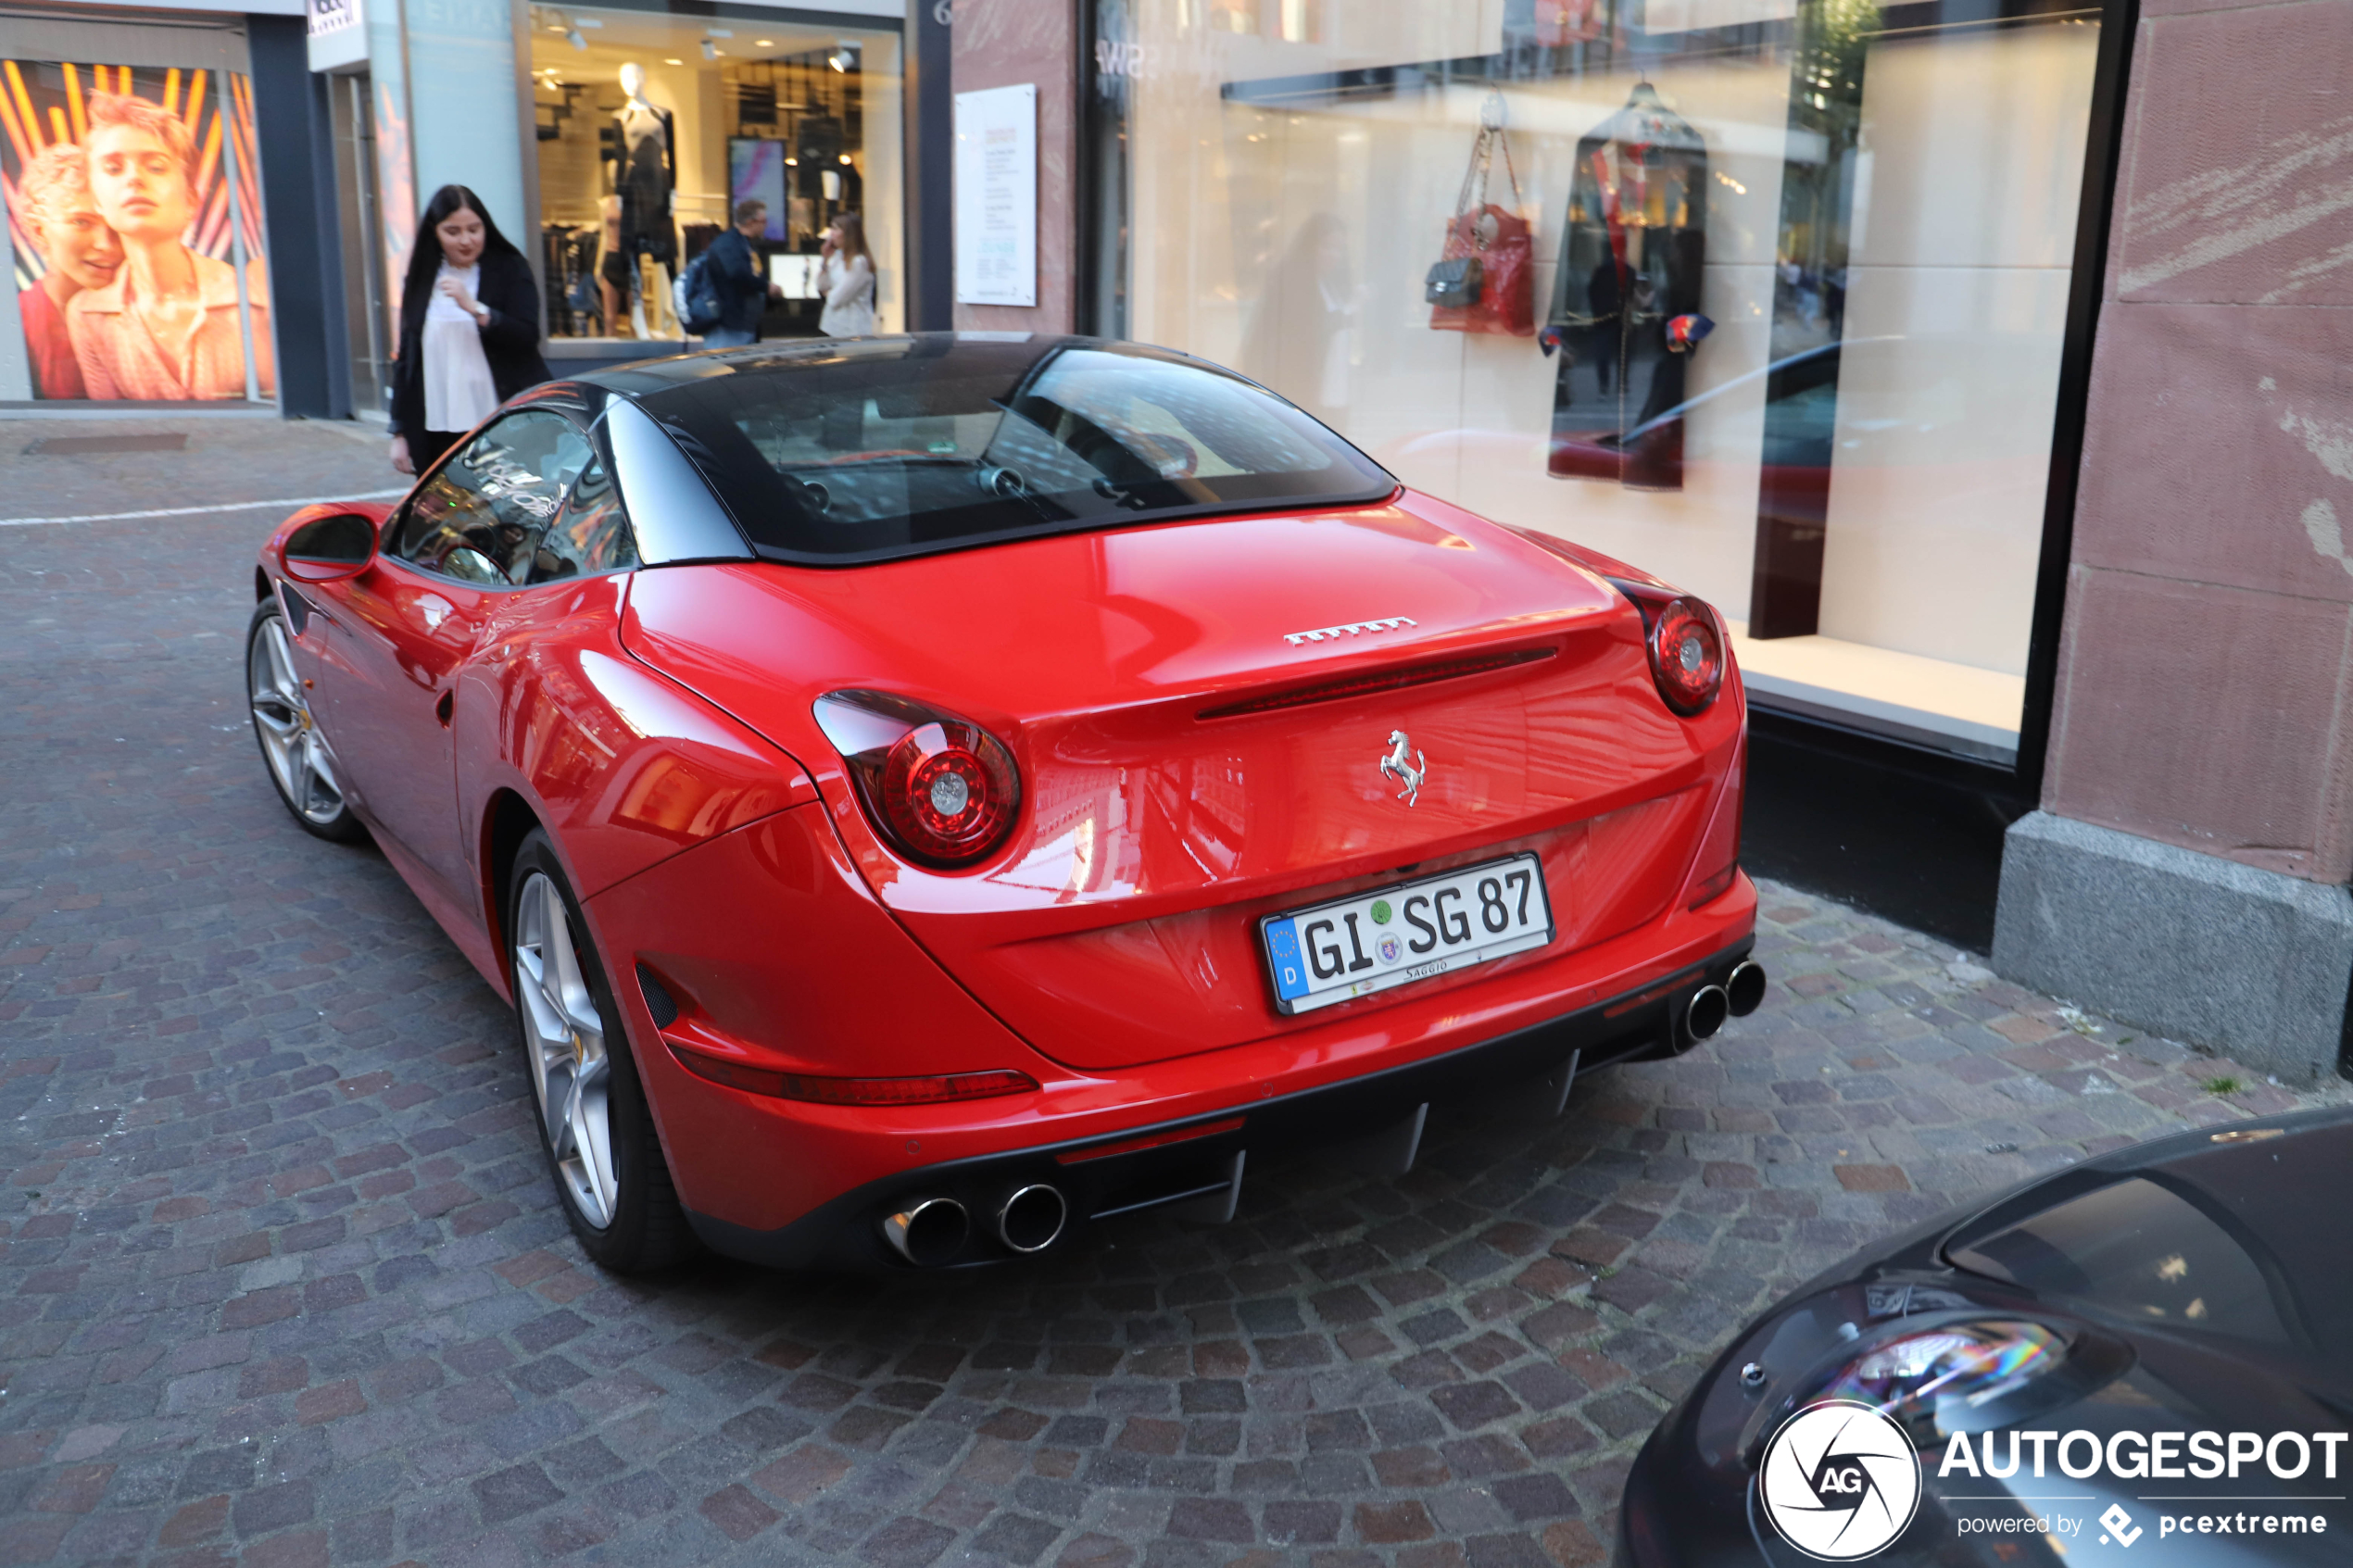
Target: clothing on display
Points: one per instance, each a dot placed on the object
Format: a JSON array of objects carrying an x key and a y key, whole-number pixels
[
  {"x": 646, "y": 172},
  {"x": 1635, "y": 254}
]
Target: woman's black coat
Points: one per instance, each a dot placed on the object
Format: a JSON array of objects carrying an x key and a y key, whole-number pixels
[{"x": 510, "y": 341}]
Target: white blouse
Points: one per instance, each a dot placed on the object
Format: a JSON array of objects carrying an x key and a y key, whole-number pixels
[
  {"x": 459, "y": 393},
  {"x": 850, "y": 297}
]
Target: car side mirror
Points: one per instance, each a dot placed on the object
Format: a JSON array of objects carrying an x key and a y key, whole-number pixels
[{"x": 328, "y": 548}]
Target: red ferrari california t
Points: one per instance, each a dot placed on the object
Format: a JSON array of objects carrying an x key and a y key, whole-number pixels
[{"x": 923, "y": 795}]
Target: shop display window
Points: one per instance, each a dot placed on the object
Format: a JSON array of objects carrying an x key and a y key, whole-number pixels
[
  {"x": 1765, "y": 295},
  {"x": 651, "y": 127}
]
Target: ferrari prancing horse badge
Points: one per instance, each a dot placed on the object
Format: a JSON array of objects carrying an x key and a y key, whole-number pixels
[{"x": 1411, "y": 773}]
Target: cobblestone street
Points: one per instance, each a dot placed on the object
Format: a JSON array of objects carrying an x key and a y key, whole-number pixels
[{"x": 283, "y": 1280}]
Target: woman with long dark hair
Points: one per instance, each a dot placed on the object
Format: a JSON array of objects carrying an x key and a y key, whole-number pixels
[
  {"x": 468, "y": 329},
  {"x": 846, "y": 278}
]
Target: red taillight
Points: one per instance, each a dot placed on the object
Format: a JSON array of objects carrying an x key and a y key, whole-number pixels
[
  {"x": 941, "y": 790},
  {"x": 1687, "y": 656},
  {"x": 932, "y": 1091}
]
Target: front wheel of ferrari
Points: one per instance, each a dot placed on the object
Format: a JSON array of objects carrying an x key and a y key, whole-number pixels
[
  {"x": 300, "y": 764},
  {"x": 593, "y": 1118}
]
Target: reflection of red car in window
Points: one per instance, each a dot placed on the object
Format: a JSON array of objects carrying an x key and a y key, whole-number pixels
[{"x": 928, "y": 795}]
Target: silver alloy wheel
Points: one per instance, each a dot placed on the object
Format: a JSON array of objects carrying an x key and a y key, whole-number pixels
[
  {"x": 569, "y": 1072},
  {"x": 297, "y": 754}
]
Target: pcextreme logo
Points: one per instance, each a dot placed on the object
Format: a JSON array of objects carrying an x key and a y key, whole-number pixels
[{"x": 1840, "y": 1481}]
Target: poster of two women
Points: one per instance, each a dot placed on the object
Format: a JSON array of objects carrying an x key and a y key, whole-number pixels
[{"x": 134, "y": 223}]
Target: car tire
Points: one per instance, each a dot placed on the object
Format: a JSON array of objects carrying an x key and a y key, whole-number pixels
[
  {"x": 300, "y": 764},
  {"x": 594, "y": 1123}
]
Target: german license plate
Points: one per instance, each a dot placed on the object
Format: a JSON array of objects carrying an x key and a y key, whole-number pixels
[{"x": 1355, "y": 946}]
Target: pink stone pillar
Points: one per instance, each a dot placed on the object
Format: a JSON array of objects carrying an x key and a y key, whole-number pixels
[
  {"x": 2202, "y": 713},
  {"x": 1004, "y": 43}
]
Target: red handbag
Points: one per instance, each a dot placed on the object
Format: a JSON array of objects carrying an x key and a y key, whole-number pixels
[{"x": 1499, "y": 239}]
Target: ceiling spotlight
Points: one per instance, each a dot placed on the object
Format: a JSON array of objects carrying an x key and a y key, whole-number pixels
[
  {"x": 792, "y": 163},
  {"x": 844, "y": 59},
  {"x": 710, "y": 50},
  {"x": 574, "y": 39},
  {"x": 673, "y": 62},
  {"x": 765, "y": 43},
  {"x": 845, "y": 158}
]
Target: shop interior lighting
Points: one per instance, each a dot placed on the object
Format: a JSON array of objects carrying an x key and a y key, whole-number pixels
[
  {"x": 710, "y": 50},
  {"x": 574, "y": 39},
  {"x": 844, "y": 59},
  {"x": 673, "y": 62},
  {"x": 765, "y": 43},
  {"x": 845, "y": 158}
]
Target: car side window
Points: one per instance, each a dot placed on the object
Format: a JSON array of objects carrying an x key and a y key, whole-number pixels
[
  {"x": 487, "y": 515},
  {"x": 591, "y": 534}
]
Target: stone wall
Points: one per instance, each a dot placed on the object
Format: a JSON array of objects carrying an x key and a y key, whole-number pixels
[{"x": 1004, "y": 43}]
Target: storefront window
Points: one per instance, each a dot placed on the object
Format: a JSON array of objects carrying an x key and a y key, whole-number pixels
[
  {"x": 1764, "y": 295},
  {"x": 136, "y": 226},
  {"x": 652, "y": 126}
]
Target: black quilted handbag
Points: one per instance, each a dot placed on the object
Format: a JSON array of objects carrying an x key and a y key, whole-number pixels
[{"x": 1455, "y": 282}]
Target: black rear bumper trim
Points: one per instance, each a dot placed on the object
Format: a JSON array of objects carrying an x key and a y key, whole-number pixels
[{"x": 846, "y": 1231}]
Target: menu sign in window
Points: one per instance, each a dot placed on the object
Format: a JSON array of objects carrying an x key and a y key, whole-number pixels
[{"x": 997, "y": 196}]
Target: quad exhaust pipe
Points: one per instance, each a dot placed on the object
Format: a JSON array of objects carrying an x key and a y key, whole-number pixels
[
  {"x": 928, "y": 1232},
  {"x": 1032, "y": 1218},
  {"x": 1706, "y": 1012},
  {"x": 1744, "y": 988},
  {"x": 1741, "y": 993},
  {"x": 932, "y": 1231}
]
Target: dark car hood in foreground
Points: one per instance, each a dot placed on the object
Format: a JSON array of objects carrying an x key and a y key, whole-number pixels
[{"x": 2206, "y": 1283}]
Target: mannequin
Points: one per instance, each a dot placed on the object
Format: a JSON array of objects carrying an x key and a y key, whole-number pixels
[{"x": 645, "y": 169}]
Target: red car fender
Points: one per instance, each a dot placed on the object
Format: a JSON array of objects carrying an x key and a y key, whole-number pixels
[
  {"x": 622, "y": 767},
  {"x": 779, "y": 956}
]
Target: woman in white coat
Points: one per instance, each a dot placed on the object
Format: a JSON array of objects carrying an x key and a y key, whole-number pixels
[{"x": 847, "y": 276}]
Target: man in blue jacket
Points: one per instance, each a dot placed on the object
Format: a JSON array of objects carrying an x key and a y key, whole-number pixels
[{"x": 739, "y": 279}]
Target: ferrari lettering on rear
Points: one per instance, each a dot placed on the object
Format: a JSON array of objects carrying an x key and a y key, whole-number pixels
[{"x": 1353, "y": 629}]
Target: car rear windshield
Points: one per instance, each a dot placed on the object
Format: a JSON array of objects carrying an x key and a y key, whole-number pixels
[{"x": 877, "y": 448}]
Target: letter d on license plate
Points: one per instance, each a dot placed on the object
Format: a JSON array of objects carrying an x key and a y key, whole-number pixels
[{"x": 1414, "y": 931}]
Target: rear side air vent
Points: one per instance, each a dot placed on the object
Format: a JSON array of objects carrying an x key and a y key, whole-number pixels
[
  {"x": 658, "y": 1000},
  {"x": 1378, "y": 680}
]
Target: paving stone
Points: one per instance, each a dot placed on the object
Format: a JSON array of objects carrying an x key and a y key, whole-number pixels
[{"x": 282, "y": 1275}]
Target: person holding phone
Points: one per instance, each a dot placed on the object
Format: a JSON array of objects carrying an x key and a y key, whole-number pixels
[
  {"x": 468, "y": 329},
  {"x": 846, "y": 276}
]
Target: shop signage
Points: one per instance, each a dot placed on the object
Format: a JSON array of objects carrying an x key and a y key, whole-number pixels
[
  {"x": 338, "y": 33},
  {"x": 997, "y": 196},
  {"x": 331, "y": 17}
]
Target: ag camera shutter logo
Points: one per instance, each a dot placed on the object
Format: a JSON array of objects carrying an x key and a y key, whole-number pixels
[{"x": 1840, "y": 1481}]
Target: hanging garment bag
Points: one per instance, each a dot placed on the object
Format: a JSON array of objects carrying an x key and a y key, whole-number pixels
[{"x": 1484, "y": 280}]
